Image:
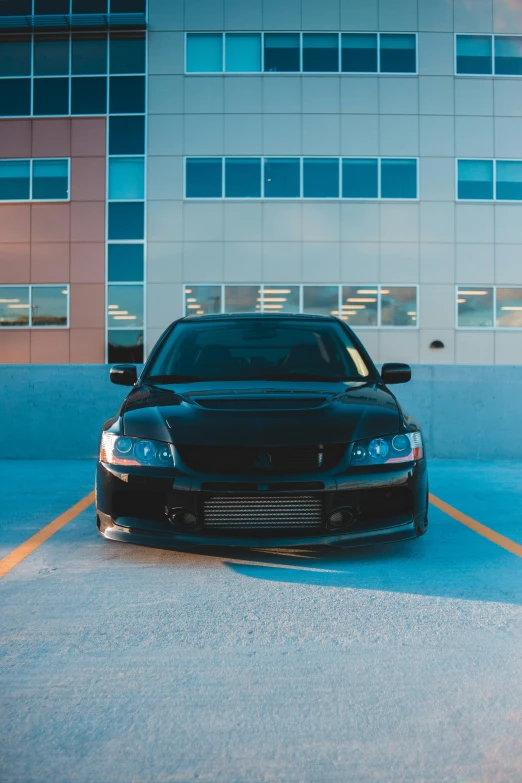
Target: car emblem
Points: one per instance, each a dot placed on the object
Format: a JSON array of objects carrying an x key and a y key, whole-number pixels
[{"x": 263, "y": 461}]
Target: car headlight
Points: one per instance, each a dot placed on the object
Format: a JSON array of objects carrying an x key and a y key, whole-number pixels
[
  {"x": 406, "y": 447},
  {"x": 122, "y": 450}
]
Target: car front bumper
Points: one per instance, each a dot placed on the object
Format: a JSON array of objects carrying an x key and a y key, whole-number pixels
[{"x": 389, "y": 503}]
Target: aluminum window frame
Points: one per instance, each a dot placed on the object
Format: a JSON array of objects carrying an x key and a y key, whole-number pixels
[
  {"x": 495, "y": 327},
  {"x": 494, "y": 199},
  {"x": 32, "y": 200},
  {"x": 493, "y": 73},
  {"x": 30, "y": 287}
]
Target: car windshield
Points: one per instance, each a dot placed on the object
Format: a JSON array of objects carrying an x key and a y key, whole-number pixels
[{"x": 240, "y": 349}]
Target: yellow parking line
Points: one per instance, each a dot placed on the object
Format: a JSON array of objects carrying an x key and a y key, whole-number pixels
[
  {"x": 21, "y": 552},
  {"x": 478, "y": 527}
]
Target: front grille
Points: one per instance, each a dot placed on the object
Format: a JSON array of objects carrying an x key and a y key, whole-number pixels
[
  {"x": 246, "y": 460},
  {"x": 269, "y": 511}
]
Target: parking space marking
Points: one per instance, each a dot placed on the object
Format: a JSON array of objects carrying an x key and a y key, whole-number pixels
[
  {"x": 24, "y": 550},
  {"x": 478, "y": 527}
]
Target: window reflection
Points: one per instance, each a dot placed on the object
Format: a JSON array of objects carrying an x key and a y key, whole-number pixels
[
  {"x": 398, "y": 306},
  {"x": 359, "y": 305},
  {"x": 509, "y": 307},
  {"x": 49, "y": 305},
  {"x": 321, "y": 299},
  {"x": 202, "y": 299},
  {"x": 280, "y": 299},
  {"x": 125, "y": 346},
  {"x": 14, "y": 306},
  {"x": 124, "y": 305},
  {"x": 242, "y": 298},
  {"x": 475, "y": 306}
]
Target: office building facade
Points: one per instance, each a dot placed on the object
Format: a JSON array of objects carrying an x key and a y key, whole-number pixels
[{"x": 362, "y": 159}]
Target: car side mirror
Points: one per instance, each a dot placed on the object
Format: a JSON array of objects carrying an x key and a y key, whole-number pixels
[
  {"x": 124, "y": 374},
  {"x": 394, "y": 372}
]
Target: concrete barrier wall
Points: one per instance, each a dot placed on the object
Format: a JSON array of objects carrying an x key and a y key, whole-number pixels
[{"x": 466, "y": 412}]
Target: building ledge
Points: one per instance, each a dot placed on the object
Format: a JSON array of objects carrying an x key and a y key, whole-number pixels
[{"x": 48, "y": 22}]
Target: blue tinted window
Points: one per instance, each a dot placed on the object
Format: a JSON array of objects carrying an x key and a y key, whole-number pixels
[
  {"x": 14, "y": 316},
  {"x": 242, "y": 177},
  {"x": 89, "y": 95},
  {"x": 398, "y": 178},
  {"x": 126, "y": 135},
  {"x": 203, "y": 178},
  {"x": 359, "y": 52},
  {"x": 128, "y": 6},
  {"x": 282, "y": 52},
  {"x": 243, "y": 52},
  {"x": 474, "y": 54},
  {"x": 89, "y": 6},
  {"x": 52, "y": 6},
  {"x": 125, "y": 346},
  {"x": 15, "y": 55},
  {"x": 126, "y": 220},
  {"x": 282, "y": 178},
  {"x": 88, "y": 53},
  {"x": 127, "y": 94},
  {"x": 125, "y": 305},
  {"x": 49, "y": 305},
  {"x": 204, "y": 52},
  {"x": 202, "y": 299},
  {"x": 508, "y": 55},
  {"x": 126, "y": 178},
  {"x": 50, "y": 179},
  {"x": 51, "y": 55},
  {"x": 475, "y": 179},
  {"x": 50, "y": 96},
  {"x": 125, "y": 263},
  {"x": 127, "y": 53},
  {"x": 321, "y": 299},
  {"x": 320, "y": 52},
  {"x": 360, "y": 178},
  {"x": 321, "y": 178},
  {"x": 15, "y": 97},
  {"x": 14, "y": 180},
  {"x": 509, "y": 180},
  {"x": 16, "y": 7},
  {"x": 398, "y": 53}
]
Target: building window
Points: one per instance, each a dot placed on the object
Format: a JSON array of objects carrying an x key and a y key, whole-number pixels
[
  {"x": 320, "y": 52},
  {"x": 203, "y": 299},
  {"x": 126, "y": 135},
  {"x": 15, "y": 97},
  {"x": 242, "y": 298},
  {"x": 125, "y": 346},
  {"x": 360, "y": 178},
  {"x": 398, "y": 178},
  {"x": 51, "y": 55},
  {"x": 127, "y": 53},
  {"x": 51, "y": 7},
  {"x": 282, "y": 52},
  {"x": 37, "y": 180},
  {"x": 508, "y": 180},
  {"x": 359, "y": 52},
  {"x": 321, "y": 178},
  {"x": 485, "y": 180},
  {"x": 397, "y": 53},
  {"x": 125, "y": 263},
  {"x": 398, "y": 306},
  {"x": 34, "y": 306},
  {"x": 321, "y": 299},
  {"x": 50, "y": 97},
  {"x": 508, "y": 55},
  {"x": 126, "y": 94},
  {"x": 126, "y": 220},
  {"x": 204, "y": 52},
  {"x": 474, "y": 54},
  {"x": 360, "y": 305},
  {"x": 124, "y": 306},
  {"x": 282, "y": 177},
  {"x": 280, "y": 299},
  {"x": 204, "y": 178},
  {"x": 508, "y": 308},
  {"x": 475, "y": 307},
  {"x": 89, "y": 95},
  {"x": 126, "y": 179},
  {"x": 242, "y": 177},
  {"x": 15, "y": 180},
  {"x": 15, "y": 55},
  {"x": 88, "y": 53},
  {"x": 243, "y": 52}
]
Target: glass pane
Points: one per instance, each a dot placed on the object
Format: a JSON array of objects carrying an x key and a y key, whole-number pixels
[
  {"x": 50, "y": 96},
  {"x": 475, "y": 179},
  {"x": 280, "y": 299},
  {"x": 243, "y": 177},
  {"x": 124, "y": 305},
  {"x": 241, "y": 298},
  {"x": 282, "y": 52},
  {"x": 125, "y": 263},
  {"x": 50, "y": 179},
  {"x": 475, "y": 306},
  {"x": 16, "y": 7},
  {"x": 282, "y": 177},
  {"x": 509, "y": 307},
  {"x": 126, "y": 135},
  {"x": 127, "y": 94},
  {"x": 51, "y": 55},
  {"x": 14, "y": 305},
  {"x": 89, "y": 6},
  {"x": 202, "y": 299},
  {"x": 49, "y": 305},
  {"x": 89, "y": 95},
  {"x": 126, "y": 178},
  {"x": 243, "y": 52},
  {"x": 474, "y": 54},
  {"x": 127, "y": 53},
  {"x": 509, "y": 180},
  {"x": 360, "y": 178},
  {"x": 508, "y": 55},
  {"x": 15, "y": 55},
  {"x": 321, "y": 299},
  {"x": 203, "y": 178},
  {"x": 398, "y": 178},
  {"x": 14, "y": 180},
  {"x": 321, "y": 178},
  {"x": 359, "y": 305},
  {"x": 398, "y": 53},
  {"x": 52, "y": 6},
  {"x": 204, "y": 52},
  {"x": 359, "y": 52},
  {"x": 320, "y": 52},
  {"x": 127, "y": 6},
  {"x": 399, "y": 306},
  {"x": 89, "y": 54},
  {"x": 15, "y": 97},
  {"x": 125, "y": 346},
  {"x": 126, "y": 221}
]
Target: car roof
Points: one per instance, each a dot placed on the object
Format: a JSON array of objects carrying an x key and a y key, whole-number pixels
[{"x": 259, "y": 316}]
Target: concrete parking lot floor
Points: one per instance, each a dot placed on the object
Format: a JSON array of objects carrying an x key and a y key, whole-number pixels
[{"x": 392, "y": 663}]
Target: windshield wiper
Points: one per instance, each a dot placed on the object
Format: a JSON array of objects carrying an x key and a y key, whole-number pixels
[{"x": 171, "y": 379}]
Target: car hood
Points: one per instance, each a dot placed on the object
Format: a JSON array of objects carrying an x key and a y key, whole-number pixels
[{"x": 260, "y": 413}]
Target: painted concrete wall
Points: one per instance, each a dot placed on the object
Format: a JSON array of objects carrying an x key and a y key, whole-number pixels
[{"x": 57, "y": 411}]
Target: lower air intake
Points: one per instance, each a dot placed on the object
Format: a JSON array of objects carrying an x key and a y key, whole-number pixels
[{"x": 269, "y": 511}]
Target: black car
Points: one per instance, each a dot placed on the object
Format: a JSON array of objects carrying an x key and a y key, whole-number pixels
[{"x": 260, "y": 430}]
